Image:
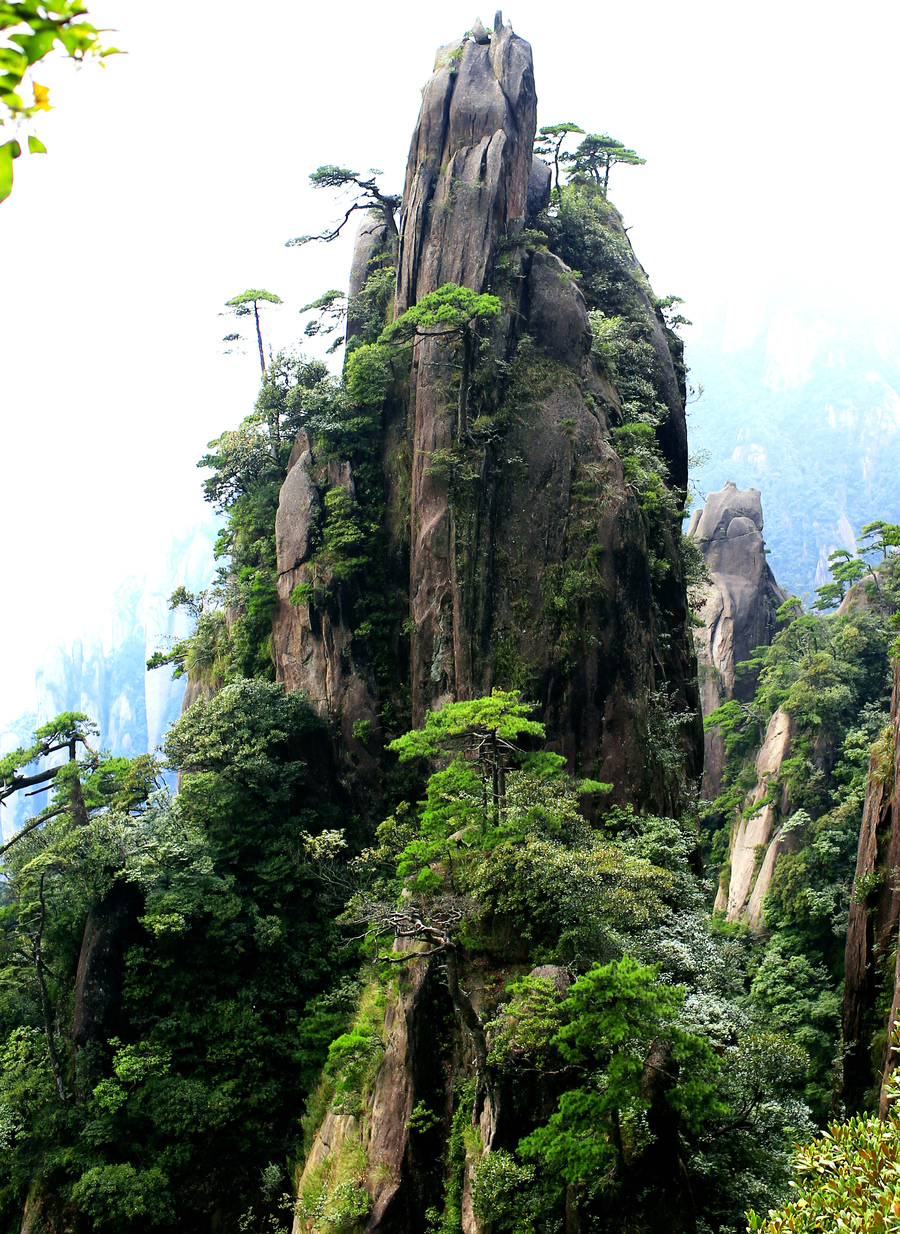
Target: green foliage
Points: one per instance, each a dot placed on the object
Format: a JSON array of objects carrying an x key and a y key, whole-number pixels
[
  {"x": 595, "y": 157},
  {"x": 549, "y": 141},
  {"x": 503, "y": 1193},
  {"x": 449, "y": 312},
  {"x": 585, "y": 232},
  {"x": 354, "y": 1056},
  {"x": 845, "y": 569},
  {"x": 798, "y": 998},
  {"x": 624, "y": 352},
  {"x": 831, "y": 674},
  {"x": 611, "y": 1016},
  {"x": 368, "y": 311},
  {"x": 224, "y": 1016},
  {"x": 844, "y": 1180},
  {"x": 368, "y": 197},
  {"x": 544, "y": 883},
  {"x": 253, "y": 297},
  {"x": 232, "y": 635},
  {"x": 502, "y": 715},
  {"x": 246, "y": 305}
]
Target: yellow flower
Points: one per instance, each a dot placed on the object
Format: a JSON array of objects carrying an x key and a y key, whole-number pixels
[{"x": 41, "y": 97}]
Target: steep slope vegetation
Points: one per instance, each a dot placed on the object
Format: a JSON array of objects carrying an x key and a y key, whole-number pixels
[{"x": 783, "y": 816}]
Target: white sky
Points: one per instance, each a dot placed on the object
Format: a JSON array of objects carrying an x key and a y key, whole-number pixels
[{"x": 175, "y": 175}]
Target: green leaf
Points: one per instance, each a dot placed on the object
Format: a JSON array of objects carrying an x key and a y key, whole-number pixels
[
  {"x": 9, "y": 151},
  {"x": 35, "y": 46},
  {"x": 35, "y": 145}
]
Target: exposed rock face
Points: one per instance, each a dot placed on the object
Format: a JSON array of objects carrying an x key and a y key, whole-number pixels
[
  {"x": 873, "y": 926},
  {"x": 401, "y": 1179},
  {"x": 533, "y": 572},
  {"x": 750, "y": 879},
  {"x": 469, "y": 164},
  {"x": 466, "y": 188},
  {"x": 313, "y": 649},
  {"x": 739, "y": 609},
  {"x": 298, "y": 505},
  {"x": 111, "y": 928}
]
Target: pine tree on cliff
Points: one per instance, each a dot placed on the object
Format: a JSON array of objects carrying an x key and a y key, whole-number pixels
[
  {"x": 548, "y": 144},
  {"x": 452, "y": 314},
  {"x": 595, "y": 156},
  {"x": 242, "y": 306},
  {"x": 369, "y": 197}
]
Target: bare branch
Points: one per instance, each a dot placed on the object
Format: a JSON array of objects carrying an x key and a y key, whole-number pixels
[
  {"x": 326, "y": 236},
  {"x": 30, "y": 826}
]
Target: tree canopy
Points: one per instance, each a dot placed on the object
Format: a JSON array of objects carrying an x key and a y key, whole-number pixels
[
  {"x": 450, "y": 313},
  {"x": 242, "y": 306},
  {"x": 594, "y": 158},
  {"x": 549, "y": 141}
]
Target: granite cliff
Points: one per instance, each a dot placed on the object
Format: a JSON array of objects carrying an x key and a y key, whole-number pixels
[
  {"x": 739, "y": 613},
  {"x": 523, "y": 554},
  {"x": 739, "y": 606},
  {"x": 872, "y": 971}
]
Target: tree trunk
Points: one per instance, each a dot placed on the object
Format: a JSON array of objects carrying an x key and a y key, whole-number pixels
[
  {"x": 262, "y": 359},
  {"x": 495, "y": 781},
  {"x": 46, "y": 1006},
  {"x": 463, "y": 407},
  {"x": 472, "y": 1022},
  {"x": 110, "y": 929}
]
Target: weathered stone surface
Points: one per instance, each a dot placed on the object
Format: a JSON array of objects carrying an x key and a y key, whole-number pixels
[
  {"x": 754, "y": 829},
  {"x": 298, "y": 508},
  {"x": 336, "y": 1131},
  {"x": 193, "y": 692},
  {"x": 739, "y": 614},
  {"x": 371, "y": 240},
  {"x": 537, "y": 196},
  {"x": 400, "y": 1181},
  {"x": 478, "y": 32},
  {"x": 560, "y": 977},
  {"x": 739, "y": 608},
  {"x": 467, "y": 177},
  {"x": 873, "y": 927},
  {"x": 557, "y": 313},
  {"x": 468, "y": 165},
  {"x": 109, "y": 931},
  {"x": 787, "y": 839},
  {"x": 371, "y": 249}
]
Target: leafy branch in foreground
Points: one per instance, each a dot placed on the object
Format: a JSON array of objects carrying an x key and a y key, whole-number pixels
[
  {"x": 31, "y": 29},
  {"x": 846, "y": 1179}
]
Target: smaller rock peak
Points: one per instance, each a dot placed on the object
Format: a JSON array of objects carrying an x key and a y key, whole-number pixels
[{"x": 478, "y": 32}]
